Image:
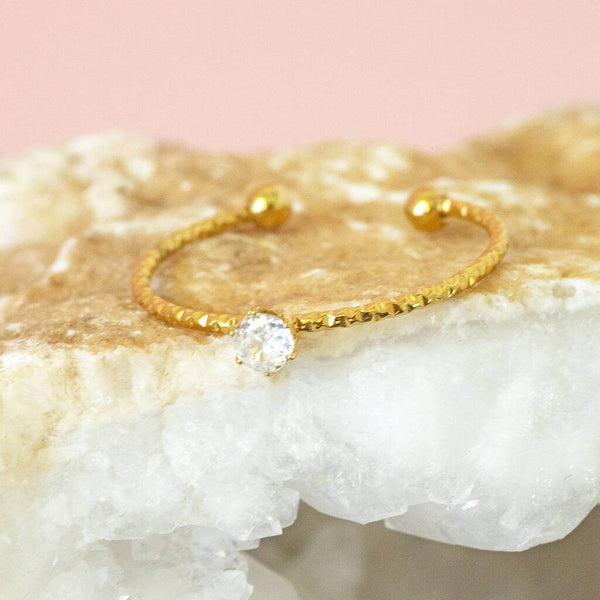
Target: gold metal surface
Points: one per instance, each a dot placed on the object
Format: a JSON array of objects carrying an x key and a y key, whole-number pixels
[{"x": 426, "y": 209}]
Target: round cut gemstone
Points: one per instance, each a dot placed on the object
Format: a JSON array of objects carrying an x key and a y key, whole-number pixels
[{"x": 263, "y": 342}]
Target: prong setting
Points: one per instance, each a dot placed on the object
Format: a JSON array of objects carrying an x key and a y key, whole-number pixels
[{"x": 264, "y": 341}]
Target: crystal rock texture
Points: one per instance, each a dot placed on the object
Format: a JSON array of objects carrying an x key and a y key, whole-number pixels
[{"x": 138, "y": 461}]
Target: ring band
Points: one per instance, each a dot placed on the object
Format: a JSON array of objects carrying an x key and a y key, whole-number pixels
[{"x": 266, "y": 341}]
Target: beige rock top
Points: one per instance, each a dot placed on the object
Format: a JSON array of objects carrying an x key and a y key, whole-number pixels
[{"x": 77, "y": 217}]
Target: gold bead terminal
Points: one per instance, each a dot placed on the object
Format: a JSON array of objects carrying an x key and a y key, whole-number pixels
[
  {"x": 268, "y": 207},
  {"x": 427, "y": 209}
]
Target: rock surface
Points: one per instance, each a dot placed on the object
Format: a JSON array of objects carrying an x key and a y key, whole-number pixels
[{"x": 132, "y": 447}]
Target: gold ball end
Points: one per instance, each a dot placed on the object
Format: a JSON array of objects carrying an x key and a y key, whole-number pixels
[
  {"x": 425, "y": 209},
  {"x": 268, "y": 207}
]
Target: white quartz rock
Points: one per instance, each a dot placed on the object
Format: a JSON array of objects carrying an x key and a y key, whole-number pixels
[
  {"x": 485, "y": 434},
  {"x": 138, "y": 459}
]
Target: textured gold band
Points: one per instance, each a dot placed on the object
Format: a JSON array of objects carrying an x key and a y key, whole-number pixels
[{"x": 426, "y": 209}]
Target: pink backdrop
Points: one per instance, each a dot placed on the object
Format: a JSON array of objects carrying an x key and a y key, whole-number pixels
[{"x": 249, "y": 74}]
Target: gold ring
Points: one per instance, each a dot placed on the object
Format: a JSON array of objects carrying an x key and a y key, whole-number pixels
[{"x": 265, "y": 340}]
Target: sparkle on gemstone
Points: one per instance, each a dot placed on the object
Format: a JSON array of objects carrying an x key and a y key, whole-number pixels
[{"x": 263, "y": 342}]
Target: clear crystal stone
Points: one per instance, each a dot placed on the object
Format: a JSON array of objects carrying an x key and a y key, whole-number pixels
[{"x": 263, "y": 342}]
